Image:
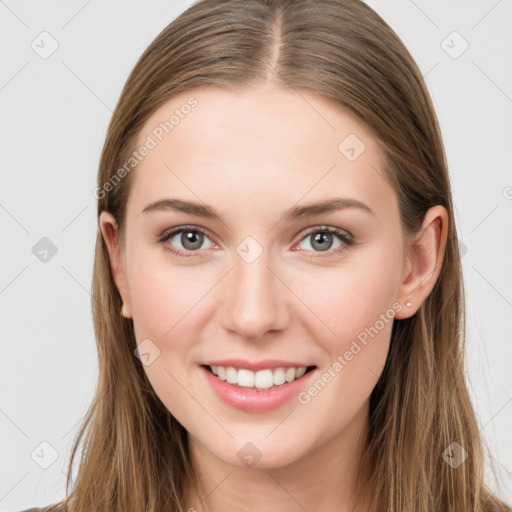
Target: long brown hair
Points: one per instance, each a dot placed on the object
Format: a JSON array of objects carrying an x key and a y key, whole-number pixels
[{"x": 135, "y": 453}]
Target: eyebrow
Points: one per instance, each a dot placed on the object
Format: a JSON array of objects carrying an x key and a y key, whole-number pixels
[{"x": 297, "y": 212}]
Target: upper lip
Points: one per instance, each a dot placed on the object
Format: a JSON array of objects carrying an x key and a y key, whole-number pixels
[{"x": 256, "y": 365}]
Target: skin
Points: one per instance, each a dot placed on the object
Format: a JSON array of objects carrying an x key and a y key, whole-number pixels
[{"x": 252, "y": 154}]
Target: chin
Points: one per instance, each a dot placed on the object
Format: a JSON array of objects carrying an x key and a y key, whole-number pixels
[{"x": 259, "y": 454}]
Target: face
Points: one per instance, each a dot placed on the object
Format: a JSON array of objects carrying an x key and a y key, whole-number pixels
[{"x": 270, "y": 285}]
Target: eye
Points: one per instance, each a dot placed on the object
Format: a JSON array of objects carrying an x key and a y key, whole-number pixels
[
  {"x": 323, "y": 239},
  {"x": 186, "y": 240},
  {"x": 190, "y": 238}
]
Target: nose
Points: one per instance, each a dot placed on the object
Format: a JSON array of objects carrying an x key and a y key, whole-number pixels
[{"x": 254, "y": 299}]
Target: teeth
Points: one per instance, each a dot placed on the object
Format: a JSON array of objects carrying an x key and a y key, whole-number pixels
[
  {"x": 245, "y": 378},
  {"x": 290, "y": 374},
  {"x": 231, "y": 375},
  {"x": 300, "y": 372},
  {"x": 279, "y": 376},
  {"x": 262, "y": 379}
]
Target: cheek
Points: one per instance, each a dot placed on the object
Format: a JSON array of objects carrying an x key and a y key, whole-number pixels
[
  {"x": 351, "y": 301},
  {"x": 358, "y": 308},
  {"x": 164, "y": 298},
  {"x": 166, "y": 307}
]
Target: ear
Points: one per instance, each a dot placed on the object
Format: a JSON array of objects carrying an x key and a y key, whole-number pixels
[
  {"x": 109, "y": 230},
  {"x": 422, "y": 262}
]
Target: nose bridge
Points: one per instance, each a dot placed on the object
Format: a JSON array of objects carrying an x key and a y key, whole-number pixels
[{"x": 253, "y": 304}]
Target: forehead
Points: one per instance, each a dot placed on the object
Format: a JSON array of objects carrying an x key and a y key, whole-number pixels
[{"x": 256, "y": 147}]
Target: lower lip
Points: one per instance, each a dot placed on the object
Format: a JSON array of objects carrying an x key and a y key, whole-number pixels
[{"x": 252, "y": 399}]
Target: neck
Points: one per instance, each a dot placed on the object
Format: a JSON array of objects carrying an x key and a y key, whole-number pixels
[{"x": 322, "y": 480}]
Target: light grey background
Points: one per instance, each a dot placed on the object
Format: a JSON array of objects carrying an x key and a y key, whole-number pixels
[{"x": 54, "y": 115}]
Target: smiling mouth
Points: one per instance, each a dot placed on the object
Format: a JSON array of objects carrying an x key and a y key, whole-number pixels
[{"x": 261, "y": 379}]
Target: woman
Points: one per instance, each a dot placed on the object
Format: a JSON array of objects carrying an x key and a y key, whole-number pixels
[{"x": 276, "y": 228}]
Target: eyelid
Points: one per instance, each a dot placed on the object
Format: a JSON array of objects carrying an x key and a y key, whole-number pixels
[
  {"x": 325, "y": 228},
  {"x": 177, "y": 229}
]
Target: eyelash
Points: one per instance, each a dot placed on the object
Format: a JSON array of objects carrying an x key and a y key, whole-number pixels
[{"x": 344, "y": 236}]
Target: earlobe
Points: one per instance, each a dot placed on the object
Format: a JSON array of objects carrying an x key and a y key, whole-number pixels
[
  {"x": 423, "y": 261},
  {"x": 109, "y": 230}
]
